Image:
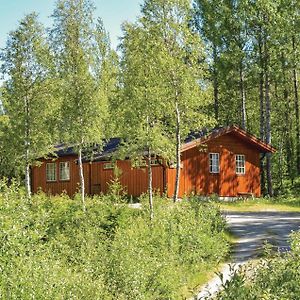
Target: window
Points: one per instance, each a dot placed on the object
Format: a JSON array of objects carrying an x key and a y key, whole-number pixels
[
  {"x": 51, "y": 171},
  {"x": 173, "y": 165},
  {"x": 108, "y": 166},
  {"x": 64, "y": 171},
  {"x": 214, "y": 163},
  {"x": 240, "y": 164},
  {"x": 156, "y": 162},
  {"x": 144, "y": 163}
]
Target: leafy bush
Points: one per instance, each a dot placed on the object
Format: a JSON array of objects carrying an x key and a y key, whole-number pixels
[
  {"x": 50, "y": 249},
  {"x": 270, "y": 279}
]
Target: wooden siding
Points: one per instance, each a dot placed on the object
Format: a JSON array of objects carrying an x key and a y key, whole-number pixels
[
  {"x": 57, "y": 187},
  {"x": 97, "y": 179},
  {"x": 134, "y": 180},
  {"x": 196, "y": 178}
]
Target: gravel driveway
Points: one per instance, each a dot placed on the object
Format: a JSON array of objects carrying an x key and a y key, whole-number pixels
[{"x": 252, "y": 230}]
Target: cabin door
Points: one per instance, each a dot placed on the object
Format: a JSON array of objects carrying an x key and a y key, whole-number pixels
[{"x": 95, "y": 178}]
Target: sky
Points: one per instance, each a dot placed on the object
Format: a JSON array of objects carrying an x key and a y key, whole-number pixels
[{"x": 112, "y": 12}]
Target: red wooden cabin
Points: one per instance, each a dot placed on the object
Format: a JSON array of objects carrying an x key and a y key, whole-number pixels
[{"x": 225, "y": 162}]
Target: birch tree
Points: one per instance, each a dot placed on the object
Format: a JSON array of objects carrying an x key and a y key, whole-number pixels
[
  {"x": 27, "y": 94},
  {"x": 83, "y": 57},
  {"x": 142, "y": 105},
  {"x": 182, "y": 69}
]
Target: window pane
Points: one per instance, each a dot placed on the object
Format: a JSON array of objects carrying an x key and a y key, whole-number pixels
[
  {"x": 108, "y": 166},
  {"x": 64, "y": 170},
  {"x": 214, "y": 163},
  {"x": 51, "y": 172},
  {"x": 240, "y": 164}
]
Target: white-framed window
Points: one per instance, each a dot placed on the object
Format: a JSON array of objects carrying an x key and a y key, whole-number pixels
[
  {"x": 51, "y": 172},
  {"x": 214, "y": 163},
  {"x": 173, "y": 165},
  {"x": 108, "y": 166},
  {"x": 144, "y": 163},
  {"x": 156, "y": 162},
  {"x": 240, "y": 164},
  {"x": 64, "y": 170}
]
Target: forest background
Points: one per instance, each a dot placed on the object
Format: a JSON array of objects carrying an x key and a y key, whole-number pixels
[{"x": 237, "y": 62}]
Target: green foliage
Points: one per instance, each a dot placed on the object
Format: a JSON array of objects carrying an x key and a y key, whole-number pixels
[
  {"x": 50, "y": 249},
  {"x": 27, "y": 129},
  {"x": 276, "y": 278},
  {"x": 85, "y": 66},
  {"x": 253, "y": 50},
  {"x": 116, "y": 192}
]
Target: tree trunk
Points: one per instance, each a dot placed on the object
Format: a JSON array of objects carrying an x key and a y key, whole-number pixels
[
  {"x": 150, "y": 191},
  {"x": 243, "y": 97},
  {"x": 27, "y": 145},
  {"x": 262, "y": 118},
  {"x": 178, "y": 159},
  {"x": 288, "y": 123},
  {"x": 268, "y": 133},
  {"x": 81, "y": 178},
  {"x": 215, "y": 84},
  {"x": 27, "y": 175},
  {"x": 296, "y": 97},
  {"x": 280, "y": 169}
]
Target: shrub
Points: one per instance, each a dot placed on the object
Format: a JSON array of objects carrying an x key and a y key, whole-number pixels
[
  {"x": 270, "y": 279},
  {"x": 50, "y": 249}
]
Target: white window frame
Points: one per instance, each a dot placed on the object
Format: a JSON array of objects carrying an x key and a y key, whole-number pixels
[
  {"x": 63, "y": 166},
  {"x": 51, "y": 169},
  {"x": 214, "y": 163},
  {"x": 108, "y": 166},
  {"x": 156, "y": 162},
  {"x": 240, "y": 164}
]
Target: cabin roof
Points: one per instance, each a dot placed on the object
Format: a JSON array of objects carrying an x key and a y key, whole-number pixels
[
  {"x": 109, "y": 147},
  {"x": 194, "y": 139},
  {"x": 204, "y": 136}
]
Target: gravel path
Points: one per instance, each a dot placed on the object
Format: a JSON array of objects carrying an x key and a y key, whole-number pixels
[{"x": 253, "y": 229}]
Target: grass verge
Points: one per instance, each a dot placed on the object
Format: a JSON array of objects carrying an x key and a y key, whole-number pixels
[{"x": 284, "y": 204}]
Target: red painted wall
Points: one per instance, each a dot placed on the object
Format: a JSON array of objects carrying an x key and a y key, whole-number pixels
[
  {"x": 70, "y": 187},
  {"x": 196, "y": 178},
  {"x": 97, "y": 179},
  {"x": 134, "y": 180}
]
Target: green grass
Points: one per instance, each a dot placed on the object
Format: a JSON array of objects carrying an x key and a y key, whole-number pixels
[
  {"x": 282, "y": 203},
  {"x": 198, "y": 279}
]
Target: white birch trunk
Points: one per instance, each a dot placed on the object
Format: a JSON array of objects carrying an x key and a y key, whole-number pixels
[
  {"x": 178, "y": 159},
  {"x": 81, "y": 178},
  {"x": 215, "y": 84},
  {"x": 262, "y": 115},
  {"x": 27, "y": 144},
  {"x": 150, "y": 190},
  {"x": 268, "y": 134},
  {"x": 27, "y": 175},
  {"x": 243, "y": 98},
  {"x": 296, "y": 100}
]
